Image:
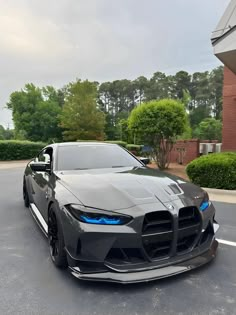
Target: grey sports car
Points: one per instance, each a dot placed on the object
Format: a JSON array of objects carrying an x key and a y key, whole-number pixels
[{"x": 109, "y": 217}]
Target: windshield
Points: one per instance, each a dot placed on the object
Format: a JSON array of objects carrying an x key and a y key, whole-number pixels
[{"x": 81, "y": 157}]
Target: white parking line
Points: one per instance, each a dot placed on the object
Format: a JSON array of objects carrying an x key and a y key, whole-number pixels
[{"x": 227, "y": 242}]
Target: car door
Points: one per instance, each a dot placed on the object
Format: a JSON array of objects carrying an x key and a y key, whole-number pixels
[{"x": 40, "y": 182}]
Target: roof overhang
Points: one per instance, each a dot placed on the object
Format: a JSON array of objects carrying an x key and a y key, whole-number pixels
[{"x": 224, "y": 37}]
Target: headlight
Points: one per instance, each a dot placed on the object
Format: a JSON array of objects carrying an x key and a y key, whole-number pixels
[
  {"x": 205, "y": 202},
  {"x": 93, "y": 216}
]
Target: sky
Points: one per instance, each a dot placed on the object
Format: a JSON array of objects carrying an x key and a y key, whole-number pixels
[{"x": 54, "y": 42}]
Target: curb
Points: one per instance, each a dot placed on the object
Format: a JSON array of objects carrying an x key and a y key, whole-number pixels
[
  {"x": 228, "y": 196},
  {"x": 220, "y": 191}
]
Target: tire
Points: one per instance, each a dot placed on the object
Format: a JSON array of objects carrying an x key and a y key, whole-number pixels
[
  {"x": 56, "y": 240},
  {"x": 25, "y": 195}
]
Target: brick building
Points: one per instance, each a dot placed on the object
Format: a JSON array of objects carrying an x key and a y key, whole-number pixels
[{"x": 224, "y": 43}]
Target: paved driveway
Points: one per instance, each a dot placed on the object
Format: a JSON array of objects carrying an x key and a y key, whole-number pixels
[{"x": 30, "y": 284}]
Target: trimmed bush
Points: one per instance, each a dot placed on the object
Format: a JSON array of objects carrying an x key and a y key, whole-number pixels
[
  {"x": 19, "y": 150},
  {"x": 217, "y": 170},
  {"x": 121, "y": 143},
  {"x": 135, "y": 149}
]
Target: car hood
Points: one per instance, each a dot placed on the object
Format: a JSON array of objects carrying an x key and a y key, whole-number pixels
[{"x": 122, "y": 188}]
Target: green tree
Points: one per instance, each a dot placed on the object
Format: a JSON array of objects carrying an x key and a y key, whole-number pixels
[
  {"x": 9, "y": 134},
  {"x": 186, "y": 99},
  {"x": 36, "y": 110},
  {"x": 141, "y": 85},
  {"x": 6, "y": 134},
  {"x": 188, "y": 132},
  {"x": 199, "y": 90},
  {"x": 81, "y": 118},
  {"x": 216, "y": 89},
  {"x": 159, "y": 123},
  {"x": 197, "y": 115},
  {"x": 182, "y": 82},
  {"x": 48, "y": 123},
  {"x": 160, "y": 86},
  {"x": 23, "y": 105},
  {"x": 110, "y": 130},
  {"x": 209, "y": 129},
  {"x": 2, "y": 133},
  {"x": 124, "y": 130},
  {"x": 104, "y": 97},
  {"x": 35, "y": 113},
  {"x": 116, "y": 99}
]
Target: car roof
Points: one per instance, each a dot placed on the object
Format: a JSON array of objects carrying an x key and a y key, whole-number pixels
[{"x": 80, "y": 143}]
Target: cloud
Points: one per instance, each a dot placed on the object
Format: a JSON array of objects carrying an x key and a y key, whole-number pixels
[
  {"x": 53, "y": 42},
  {"x": 29, "y": 36}
]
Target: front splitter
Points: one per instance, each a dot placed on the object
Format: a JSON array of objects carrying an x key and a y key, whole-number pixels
[{"x": 150, "y": 275}]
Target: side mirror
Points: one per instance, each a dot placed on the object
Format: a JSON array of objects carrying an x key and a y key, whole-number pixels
[
  {"x": 144, "y": 160},
  {"x": 47, "y": 158},
  {"x": 40, "y": 167}
]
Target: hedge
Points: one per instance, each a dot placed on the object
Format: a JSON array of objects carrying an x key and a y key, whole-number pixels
[
  {"x": 135, "y": 149},
  {"x": 217, "y": 170},
  {"x": 19, "y": 150}
]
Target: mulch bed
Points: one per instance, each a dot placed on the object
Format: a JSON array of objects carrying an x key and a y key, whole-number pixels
[{"x": 175, "y": 169}]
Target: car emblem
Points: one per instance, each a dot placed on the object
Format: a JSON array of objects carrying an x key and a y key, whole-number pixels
[{"x": 170, "y": 207}]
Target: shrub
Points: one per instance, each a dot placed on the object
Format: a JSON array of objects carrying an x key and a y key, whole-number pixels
[
  {"x": 217, "y": 170},
  {"x": 19, "y": 150},
  {"x": 135, "y": 149}
]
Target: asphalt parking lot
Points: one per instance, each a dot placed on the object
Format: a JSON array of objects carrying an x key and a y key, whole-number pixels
[{"x": 30, "y": 284}]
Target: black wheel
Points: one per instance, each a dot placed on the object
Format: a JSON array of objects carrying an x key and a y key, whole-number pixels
[
  {"x": 25, "y": 195},
  {"x": 56, "y": 240}
]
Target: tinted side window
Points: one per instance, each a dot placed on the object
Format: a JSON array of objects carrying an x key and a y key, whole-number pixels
[{"x": 45, "y": 156}]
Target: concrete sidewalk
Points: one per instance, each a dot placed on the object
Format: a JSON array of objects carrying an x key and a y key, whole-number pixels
[
  {"x": 12, "y": 164},
  {"x": 228, "y": 196},
  {"x": 221, "y": 195}
]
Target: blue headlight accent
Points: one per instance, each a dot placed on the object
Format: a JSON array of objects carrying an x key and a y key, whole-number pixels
[
  {"x": 101, "y": 220},
  {"x": 204, "y": 205}
]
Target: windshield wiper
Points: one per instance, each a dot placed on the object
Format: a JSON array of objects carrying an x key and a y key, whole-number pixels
[{"x": 80, "y": 169}]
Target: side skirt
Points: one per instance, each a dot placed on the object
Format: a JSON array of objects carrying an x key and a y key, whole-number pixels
[{"x": 39, "y": 218}]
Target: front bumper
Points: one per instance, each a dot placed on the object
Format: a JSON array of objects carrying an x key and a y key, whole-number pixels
[
  {"x": 150, "y": 275},
  {"x": 127, "y": 254}
]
